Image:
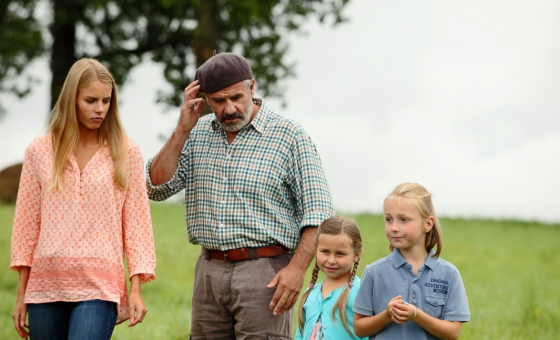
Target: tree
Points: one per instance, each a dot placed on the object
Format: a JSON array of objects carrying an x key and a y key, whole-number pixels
[
  {"x": 20, "y": 42},
  {"x": 181, "y": 34}
]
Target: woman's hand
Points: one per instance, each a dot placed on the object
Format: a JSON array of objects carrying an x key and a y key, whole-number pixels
[
  {"x": 19, "y": 315},
  {"x": 137, "y": 309},
  {"x": 20, "y": 310}
]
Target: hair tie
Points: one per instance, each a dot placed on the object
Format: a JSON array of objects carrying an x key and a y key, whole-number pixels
[
  {"x": 350, "y": 284},
  {"x": 311, "y": 285}
]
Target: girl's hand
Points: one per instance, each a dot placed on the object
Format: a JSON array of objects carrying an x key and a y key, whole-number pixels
[
  {"x": 396, "y": 300},
  {"x": 402, "y": 312},
  {"x": 19, "y": 315}
]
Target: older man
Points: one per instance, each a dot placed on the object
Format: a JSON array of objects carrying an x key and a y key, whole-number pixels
[{"x": 255, "y": 192}]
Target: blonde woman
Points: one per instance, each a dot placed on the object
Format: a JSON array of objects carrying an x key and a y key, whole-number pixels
[{"x": 82, "y": 205}]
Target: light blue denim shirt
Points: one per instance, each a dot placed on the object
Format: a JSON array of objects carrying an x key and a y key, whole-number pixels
[
  {"x": 437, "y": 290},
  {"x": 315, "y": 306}
]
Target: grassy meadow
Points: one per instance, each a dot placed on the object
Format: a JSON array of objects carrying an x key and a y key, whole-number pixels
[{"x": 511, "y": 272}]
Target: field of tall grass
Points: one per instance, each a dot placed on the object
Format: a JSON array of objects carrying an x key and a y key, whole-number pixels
[{"x": 511, "y": 272}]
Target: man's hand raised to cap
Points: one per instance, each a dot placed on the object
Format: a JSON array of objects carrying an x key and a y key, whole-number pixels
[
  {"x": 164, "y": 163},
  {"x": 191, "y": 108}
]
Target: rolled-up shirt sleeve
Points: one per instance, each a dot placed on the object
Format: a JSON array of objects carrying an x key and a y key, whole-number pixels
[
  {"x": 163, "y": 191},
  {"x": 308, "y": 182}
]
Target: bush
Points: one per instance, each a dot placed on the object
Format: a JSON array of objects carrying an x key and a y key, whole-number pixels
[{"x": 9, "y": 183}]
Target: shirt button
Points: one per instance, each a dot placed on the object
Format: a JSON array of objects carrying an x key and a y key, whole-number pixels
[
  {"x": 225, "y": 179},
  {"x": 223, "y": 202},
  {"x": 221, "y": 225}
]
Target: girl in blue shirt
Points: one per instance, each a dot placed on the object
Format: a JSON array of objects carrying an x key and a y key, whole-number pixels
[
  {"x": 412, "y": 293},
  {"x": 325, "y": 310}
]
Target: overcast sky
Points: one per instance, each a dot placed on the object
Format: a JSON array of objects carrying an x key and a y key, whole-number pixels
[{"x": 459, "y": 96}]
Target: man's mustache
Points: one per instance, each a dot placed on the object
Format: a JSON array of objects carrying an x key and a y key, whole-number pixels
[{"x": 232, "y": 116}]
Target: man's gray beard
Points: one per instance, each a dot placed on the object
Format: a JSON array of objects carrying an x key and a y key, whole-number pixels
[{"x": 235, "y": 127}]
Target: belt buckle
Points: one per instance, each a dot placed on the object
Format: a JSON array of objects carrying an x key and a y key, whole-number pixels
[{"x": 225, "y": 256}]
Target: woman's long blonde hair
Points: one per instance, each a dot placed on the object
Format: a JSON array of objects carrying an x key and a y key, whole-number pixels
[
  {"x": 422, "y": 199},
  {"x": 64, "y": 128},
  {"x": 336, "y": 225}
]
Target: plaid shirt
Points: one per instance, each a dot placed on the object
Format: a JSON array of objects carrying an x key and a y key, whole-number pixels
[{"x": 261, "y": 189}]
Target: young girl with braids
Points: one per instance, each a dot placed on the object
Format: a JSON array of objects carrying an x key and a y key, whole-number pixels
[
  {"x": 412, "y": 293},
  {"x": 325, "y": 310}
]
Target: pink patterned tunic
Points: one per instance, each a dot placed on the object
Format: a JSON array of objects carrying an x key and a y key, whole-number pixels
[{"x": 75, "y": 240}]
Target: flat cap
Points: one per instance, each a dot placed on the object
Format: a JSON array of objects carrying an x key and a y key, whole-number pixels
[{"x": 222, "y": 70}]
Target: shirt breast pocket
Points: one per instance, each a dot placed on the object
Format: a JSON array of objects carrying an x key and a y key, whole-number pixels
[
  {"x": 260, "y": 177},
  {"x": 435, "y": 306}
]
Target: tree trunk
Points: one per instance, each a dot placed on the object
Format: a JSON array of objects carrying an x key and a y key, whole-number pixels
[
  {"x": 3, "y": 9},
  {"x": 206, "y": 35},
  {"x": 63, "y": 31}
]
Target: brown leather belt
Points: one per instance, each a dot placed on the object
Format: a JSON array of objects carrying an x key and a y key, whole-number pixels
[{"x": 241, "y": 254}]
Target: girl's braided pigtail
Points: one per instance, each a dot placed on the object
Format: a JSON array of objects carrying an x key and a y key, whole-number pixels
[
  {"x": 314, "y": 276},
  {"x": 343, "y": 299}
]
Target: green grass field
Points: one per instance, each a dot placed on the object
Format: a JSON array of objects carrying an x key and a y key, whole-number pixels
[{"x": 511, "y": 271}]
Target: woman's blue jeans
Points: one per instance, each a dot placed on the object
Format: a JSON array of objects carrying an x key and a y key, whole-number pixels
[{"x": 84, "y": 320}]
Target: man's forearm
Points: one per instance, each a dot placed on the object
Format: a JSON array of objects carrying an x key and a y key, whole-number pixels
[
  {"x": 306, "y": 248},
  {"x": 165, "y": 162},
  {"x": 290, "y": 279}
]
